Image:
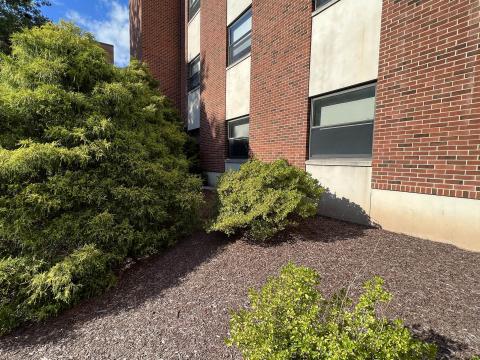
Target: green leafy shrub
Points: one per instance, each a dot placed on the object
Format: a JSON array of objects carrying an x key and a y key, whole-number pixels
[
  {"x": 262, "y": 199},
  {"x": 290, "y": 319},
  {"x": 92, "y": 170}
]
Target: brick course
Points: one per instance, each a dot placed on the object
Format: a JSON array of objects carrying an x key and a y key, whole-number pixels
[
  {"x": 279, "y": 111},
  {"x": 213, "y": 45},
  {"x": 427, "y": 126},
  {"x": 157, "y": 40}
]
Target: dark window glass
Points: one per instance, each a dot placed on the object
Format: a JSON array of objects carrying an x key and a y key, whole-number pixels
[
  {"x": 194, "y": 73},
  {"x": 238, "y": 133},
  {"x": 319, "y": 3},
  {"x": 342, "y": 124},
  {"x": 240, "y": 37},
  {"x": 193, "y": 7}
]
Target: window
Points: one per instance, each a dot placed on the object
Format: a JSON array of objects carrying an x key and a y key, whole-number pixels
[
  {"x": 194, "y": 73},
  {"x": 317, "y": 4},
  {"x": 238, "y": 138},
  {"x": 342, "y": 124},
  {"x": 193, "y": 7},
  {"x": 239, "y": 37}
]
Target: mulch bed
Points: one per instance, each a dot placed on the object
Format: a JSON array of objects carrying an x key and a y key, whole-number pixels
[{"x": 176, "y": 305}]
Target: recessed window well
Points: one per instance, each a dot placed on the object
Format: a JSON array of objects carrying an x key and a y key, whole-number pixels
[
  {"x": 240, "y": 37},
  {"x": 238, "y": 135},
  {"x": 342, "y": 124},
  {"x": 194, "y": 73},
  {"x": 193, "y": 7}
]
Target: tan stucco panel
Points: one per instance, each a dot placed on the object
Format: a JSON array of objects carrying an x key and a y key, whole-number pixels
[
  {"x": 445, "y": 219},
  {"x": 193, "y": 37},
  {"x": 345, "y": 45},
  {"x": 348, "y": 190},
  {"x": 235, "y": 8},
  {"x": 238, "y": 89}
]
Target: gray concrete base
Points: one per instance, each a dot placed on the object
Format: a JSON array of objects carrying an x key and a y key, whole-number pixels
[
  {"x": 450, "y": 220},
  {"x": 347, "y": 183}
]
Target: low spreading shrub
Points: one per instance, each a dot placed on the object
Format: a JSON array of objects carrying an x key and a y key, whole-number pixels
[
  {"x": 290, "y": 319},
  {"x": 92, "y": 171},
  {"x": 262, "y": 199}
]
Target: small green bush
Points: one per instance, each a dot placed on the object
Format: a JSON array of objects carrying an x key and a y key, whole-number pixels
[
  {"x": 290, "y": 319},
  {"x": 262, "y": 199},
  {"x": 92, "y": 171}
]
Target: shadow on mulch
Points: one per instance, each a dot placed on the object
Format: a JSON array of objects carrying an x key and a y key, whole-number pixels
[
  {"x": 141, "y": 281},
  {"x": 151, "y": 277},
  {"x": 318, "y": 229},
  {"x": 447, "y": 348}
]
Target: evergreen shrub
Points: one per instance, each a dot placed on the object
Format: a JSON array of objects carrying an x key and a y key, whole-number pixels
[
  {"x": 262, "y": 199},
  {"x": 92, "y": 171}
]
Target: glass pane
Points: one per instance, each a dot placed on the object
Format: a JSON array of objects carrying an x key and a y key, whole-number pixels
[
  {"x": 241, "y": 27},
  {"x": 347, "y": 141},
  {"x": 238, "y": 148},
  {"x": 319, "y": 3},
  {"x": 346, "y": 108},
  {"x": 194, "y": 74},
  {"x": 238, "y": 132},
  {"x": 238, "y": 129},
  {"x": 240, "y": 49},
  {"x": 194, "y": 67},
  {"x": 194, "y": 6}
]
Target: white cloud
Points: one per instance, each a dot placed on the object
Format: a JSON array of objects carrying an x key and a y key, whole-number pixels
[{"x": 114, "y": 29}]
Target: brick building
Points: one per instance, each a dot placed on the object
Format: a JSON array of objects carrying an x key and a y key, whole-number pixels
[{"x": 377, "y": 99}]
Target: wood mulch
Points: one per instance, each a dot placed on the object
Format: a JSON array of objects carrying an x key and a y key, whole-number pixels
[{"x": 176, "y": 305}]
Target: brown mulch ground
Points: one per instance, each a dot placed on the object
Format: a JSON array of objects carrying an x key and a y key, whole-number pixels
[{"x": 175, "y": 306}]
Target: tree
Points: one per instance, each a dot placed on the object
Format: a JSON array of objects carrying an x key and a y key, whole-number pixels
[
  {"x": 16, "y": 15},
  {"x": 92, "y": 171}
]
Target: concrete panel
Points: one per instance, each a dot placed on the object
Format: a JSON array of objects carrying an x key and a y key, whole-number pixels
[
  {"x": 348, "y": 188},
  {"x": 238, "y": 89},
  {"x": 234, "y": 164},
  {"x": 194, "y": 109},
  {"x": 235, "y": 8},
  {"x": 212, "y": 178},
  {"x": 445, "y": 219},
  {"x": 345, "y": 45},
  {"x": 193, "y": 37}
]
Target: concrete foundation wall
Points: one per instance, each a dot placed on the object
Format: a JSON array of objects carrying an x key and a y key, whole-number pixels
[
  {"x": 345, "y": 45},
  {"x": 446, "y": 219},
  {"x": 348, "y": 188},
  {"x": 238, "y": 89}
]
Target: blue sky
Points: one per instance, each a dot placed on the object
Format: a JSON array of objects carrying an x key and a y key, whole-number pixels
[{"x": 107, "y": 20}]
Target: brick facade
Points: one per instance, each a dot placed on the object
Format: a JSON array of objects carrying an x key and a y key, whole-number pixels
[
  {"x": 213, "y": 45},
  {"x": 279, "y": 114},
  {"x": 156, "y": 37},
  {"x": 427, "y": 126}
]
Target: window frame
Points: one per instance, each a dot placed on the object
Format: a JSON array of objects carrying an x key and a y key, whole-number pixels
[
  {"x": 230, "y": 46},
  {"x": 229, "y": 138},
  {"x": 193, "y": 10},
  {"x": 318, "y": 8},
  {"x": 344, "y": 125},
  {"x": 189, "y": 79}
]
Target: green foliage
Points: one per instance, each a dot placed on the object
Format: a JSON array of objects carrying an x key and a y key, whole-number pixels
[
  {"x": 16, "y": 15},
  {"x": 290, "y": 319},
  {"x": 92, "y": 170},
  {"x": 264, "y": 198}
]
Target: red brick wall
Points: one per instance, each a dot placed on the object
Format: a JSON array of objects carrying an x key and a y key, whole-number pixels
[
  {"x": 427, "y": 127},
  {"x": 281, "y": 38},
  {"x": 156, "y": 39},
  {"x": 213, "y": 45}
]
